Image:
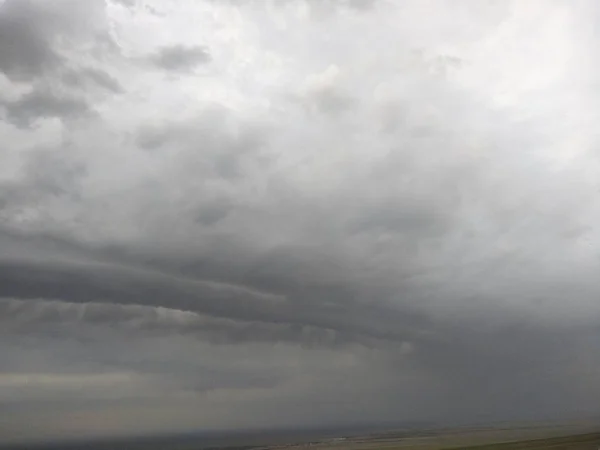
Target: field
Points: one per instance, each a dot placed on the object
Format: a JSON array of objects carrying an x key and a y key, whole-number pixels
[
  {"x": 589, "y": 441},
  {"x": 539, "y": 437},
  {"x": 532, "y": 436}
]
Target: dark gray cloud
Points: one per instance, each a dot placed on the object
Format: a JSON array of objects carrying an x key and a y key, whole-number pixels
[
  {"x": 47, "y": 47},
  {"x": 41, "y": 104},
  {"x": 24, "y": 45},
  {"x": 180, "y": 57},
  {"x": 94, "y": 278},
  {"x": 30, "y": 32},
  {"x": 359, "y": 206}
]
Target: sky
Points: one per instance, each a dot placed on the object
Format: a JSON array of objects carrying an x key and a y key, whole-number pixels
[{"x": 240, "y": 214}]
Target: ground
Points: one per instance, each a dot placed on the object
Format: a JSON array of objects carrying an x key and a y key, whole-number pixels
[{"x": 532, "y": 437}]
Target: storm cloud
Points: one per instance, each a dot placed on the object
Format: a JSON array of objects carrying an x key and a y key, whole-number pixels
[{"x": 329, "y": 212}]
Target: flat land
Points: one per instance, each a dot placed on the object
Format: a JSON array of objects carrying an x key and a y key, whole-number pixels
[
  {"x": 530, "y": 436},
  {"x": 589, "y": 441},
  {"x": 493, "y": 438}
]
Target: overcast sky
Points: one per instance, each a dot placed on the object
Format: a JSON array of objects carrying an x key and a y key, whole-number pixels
[{"x": 234, "y": 214}]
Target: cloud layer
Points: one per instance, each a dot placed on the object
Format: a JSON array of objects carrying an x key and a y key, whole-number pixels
[{"x": 330, "y": 212}]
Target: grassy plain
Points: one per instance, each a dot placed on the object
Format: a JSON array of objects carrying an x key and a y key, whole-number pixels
[
  {"x": 590, "y": 441},
  {"x": 539, "y": 437}
]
